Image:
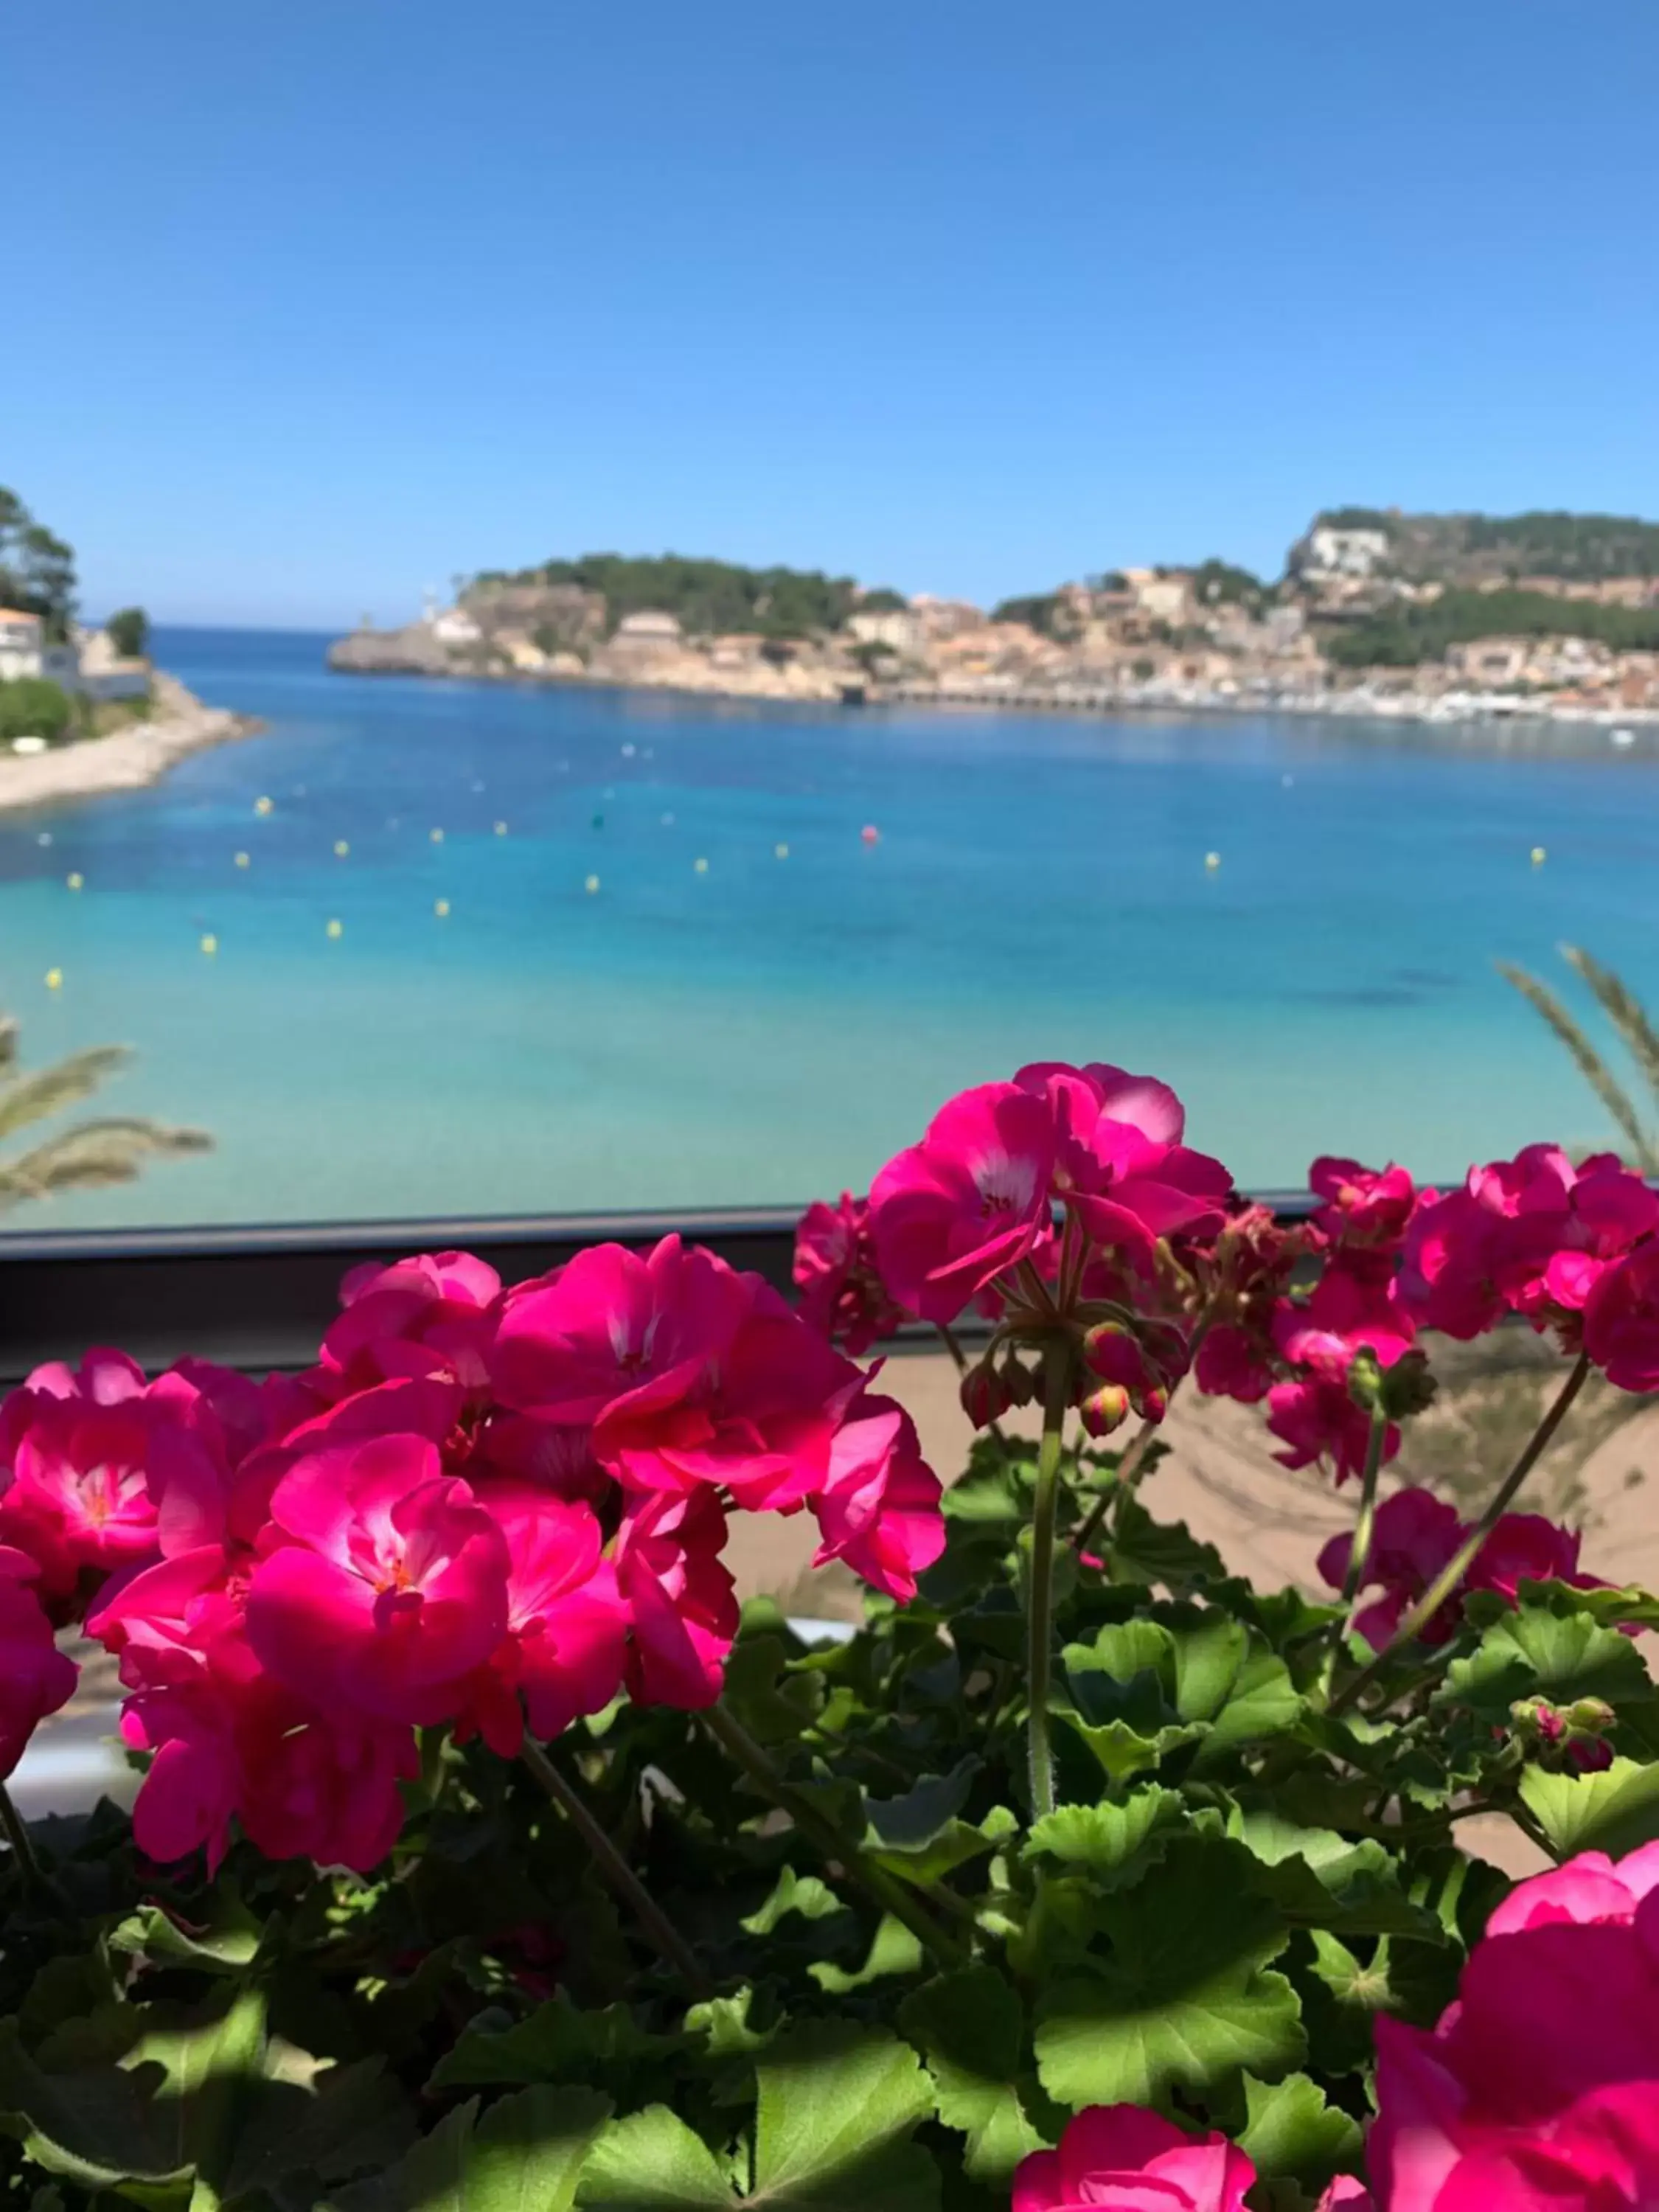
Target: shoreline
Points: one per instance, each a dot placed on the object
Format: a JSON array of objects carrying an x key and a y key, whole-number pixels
[
  {"x": 1357, "y": 703},
  {"x": 126, "y": 760}
]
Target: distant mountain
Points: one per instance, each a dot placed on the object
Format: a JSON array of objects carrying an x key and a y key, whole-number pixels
[{"x": 1476, "y": 548}]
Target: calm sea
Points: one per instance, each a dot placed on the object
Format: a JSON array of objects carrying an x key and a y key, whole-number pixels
[{"x": 774, "y": 1024}]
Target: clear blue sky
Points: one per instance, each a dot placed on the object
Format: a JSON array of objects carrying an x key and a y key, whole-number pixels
[{"x": 308, "y": 306}]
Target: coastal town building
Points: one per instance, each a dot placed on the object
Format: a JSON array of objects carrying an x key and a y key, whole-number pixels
[{"x": 25, "y": 650}]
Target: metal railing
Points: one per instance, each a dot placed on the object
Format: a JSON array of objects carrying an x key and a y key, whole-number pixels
[{"x": 261, "y": 1297}]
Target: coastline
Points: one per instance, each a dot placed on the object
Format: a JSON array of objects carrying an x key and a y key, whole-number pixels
[
  {"x": 1360, "y": 702},
  {"x": 126, "y": 760}
]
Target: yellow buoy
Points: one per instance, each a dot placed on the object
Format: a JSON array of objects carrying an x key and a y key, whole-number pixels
[
  {"x": 702, "y": 867},
  {"x": 54, "y": 978},
  {"x": 1212, "y": 860},
  {"x": 75, "y": 881},
  {"x": 440, "y": 908},
  {"x": 780, "y": 851},
  {"x": 500, "y": 829},
  {"x": 1539, "y": 856},
  {"x": 437, "y": 836},
  {"x": 210, "y": 944},
  {"x": 592, "y": 885},
  {"x": 341, "y": 848},
  {"x": 337, "y": 929},
  {"x": 241, "y": 860},
  {"x": 263, "y": 805}
]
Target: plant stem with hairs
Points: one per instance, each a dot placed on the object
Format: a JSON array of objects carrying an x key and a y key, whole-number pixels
[
  {"x": 1040, "y": 1601},
  {"x": 1458, "y": 1565},
  {"x": 615, "y": 1871}
]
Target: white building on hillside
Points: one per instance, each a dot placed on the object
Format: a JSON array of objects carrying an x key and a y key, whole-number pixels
[
  {"x": 454, "y": 626},
  {"x": 24, "y": 651},
  {"x": 1344, "y": 552}
]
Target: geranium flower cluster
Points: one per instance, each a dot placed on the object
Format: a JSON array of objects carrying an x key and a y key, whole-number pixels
[
  {"x": 1070, "y": 1194},
  {"x": 1416, "y": 1534},
  {"x": 480, "y": 1510}
]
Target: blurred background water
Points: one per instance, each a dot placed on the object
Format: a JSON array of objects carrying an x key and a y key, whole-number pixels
[{"x": 773, "y": 1025}]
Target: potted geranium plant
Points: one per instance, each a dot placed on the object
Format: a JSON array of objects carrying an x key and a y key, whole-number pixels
[{"x": 486, "y": 1855}]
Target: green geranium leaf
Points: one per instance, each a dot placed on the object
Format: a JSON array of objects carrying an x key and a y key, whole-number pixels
[
  {"x": 836, "y": 2106},
  {"x": 225, "y": 1945},
  {"x": 909, "y": 1822},
  {"x": 555, "y": 2043},
  {"x": 1115, "y": 1842},
  {"x": 1319, "y": 1879},
  {"x": 652, "y": 2162},
  {"x": 1540, "y": 1652},
  {"x": 792, "y": 1893},
  {"x": 774, "y": 1704},
  {"x": 1183, "y": 1999},
  {"x": 1123, "y": 1751},
  {"x": 1142, "y": 1550},
  {"x": 971, "y": 2031},
  {"x": 524, "y": 2154},
  {"x": 1292, "y": 2131},
  {"x": 1613, "y": 1811},
  {"x": 893, "y": 1950}
]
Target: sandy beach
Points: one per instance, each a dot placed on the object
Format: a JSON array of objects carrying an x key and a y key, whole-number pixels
[{"x": 126, "y": 760}]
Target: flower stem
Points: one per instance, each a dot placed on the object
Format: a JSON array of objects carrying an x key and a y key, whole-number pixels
[
  {"x": 1458, "y": 1565},
  {"x": 617, "y": 1872},
  {"x": 23, "y": 1849},
  {"x": 1040, "y": 1601},
  {"x": 1127, "y": 1468},
  {"x": 884, "y": 1889},
  {"x": 1365, "y": 1527}
]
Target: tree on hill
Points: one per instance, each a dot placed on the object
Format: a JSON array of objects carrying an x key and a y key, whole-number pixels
[
  {"x": 706, "y": 597},
  {"x": 109, "y": 1149},
  {"x": 1409, "y": 632},
  {"x": 128, "y": 631},
  {"x": 1037, "y": 610},
  {"x": 1217, "y": 583},
  {"x": 883, "y": 600},
  {"x": 37, "y": 570}
]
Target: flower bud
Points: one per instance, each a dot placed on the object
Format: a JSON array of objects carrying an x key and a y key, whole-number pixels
[
  {"x": 1023, "y": 1384},
  {"x": 1109, "y": 1347},
  {"x": 1105, "y": 1409},
  {"x": 1408, "y": 1387},
  {"x": 985, "y": 1394}
]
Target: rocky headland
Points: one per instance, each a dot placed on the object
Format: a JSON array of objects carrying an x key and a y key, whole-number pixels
[
  {"x": 177, "y": 724},
  {"x": 1437, "y": 618}
]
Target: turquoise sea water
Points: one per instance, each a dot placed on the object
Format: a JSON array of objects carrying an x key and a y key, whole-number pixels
[{"x": 772, "y": 1027}]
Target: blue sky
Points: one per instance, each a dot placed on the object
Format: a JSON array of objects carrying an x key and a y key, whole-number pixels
[{"x": 314, "y": 305}]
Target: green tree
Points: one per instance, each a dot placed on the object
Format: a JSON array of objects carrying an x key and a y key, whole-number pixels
[
  {"x": 106, "y": 1150},
  {"x": 128, "y": 631},
  {"x": 37, "y": 570},
  {"x": 31, "y": 707}
]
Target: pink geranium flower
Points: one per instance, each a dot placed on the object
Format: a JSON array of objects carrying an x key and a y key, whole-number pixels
[
  {"x": 879, "y": 1511},
  {"x": 1353, "y": 1308},
  {"x": 36, "y": 1678},
  {"x": 615, "y": 1323},
  {"x": 567, "y": 1627},
  {"x": 384, "y": 1583},
  {"x": 681, "y": 1603},
  {"x": 1117, "y": 2158},
  {"x": 967, "y": 1203},
  {"x": 1621, "y": 1321},
  {"x": 842, "y": 1293},
  {"x": 1527, "y": 1547},
  {"x": 1540, "y": 2085},
  {"x": 1587, "y": 1891},
  {"x": 1366, "y": 1208},
  {"x": 430, "y": 1314},
  {"x": 1315, "y": 1420},
  {"x": 1415, "y": 1534}
]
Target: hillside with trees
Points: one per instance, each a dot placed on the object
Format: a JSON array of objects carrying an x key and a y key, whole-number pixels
[
  {"x": 1408, "y": 632},
  {"x": 1487, "y": 548},
  {"x": 709, "y": 599}
]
